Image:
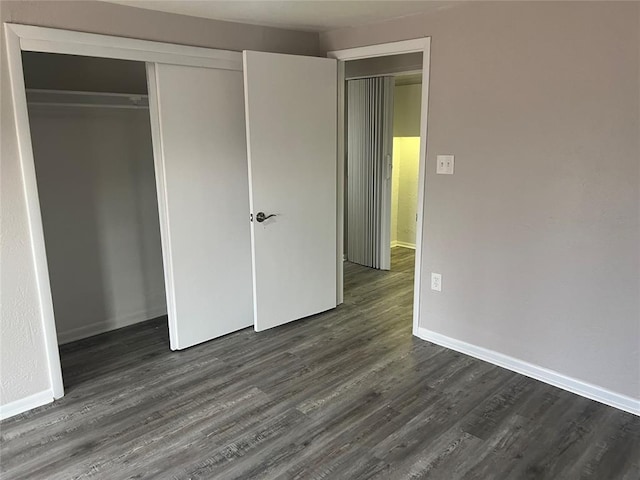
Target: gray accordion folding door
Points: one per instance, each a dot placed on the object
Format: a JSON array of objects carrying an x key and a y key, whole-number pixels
[{"x": 369, "y": 151}]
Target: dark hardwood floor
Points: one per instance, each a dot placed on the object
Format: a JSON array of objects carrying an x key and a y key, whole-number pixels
[{"x": 348, "y": 394}]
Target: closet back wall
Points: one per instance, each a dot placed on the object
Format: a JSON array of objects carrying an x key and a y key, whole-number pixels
[{"x": 97, "y": 195}]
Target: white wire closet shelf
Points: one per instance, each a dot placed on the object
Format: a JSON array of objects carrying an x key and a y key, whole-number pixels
[{"x": 72, "y": 98}]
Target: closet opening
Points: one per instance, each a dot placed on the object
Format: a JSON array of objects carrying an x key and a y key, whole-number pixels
[
  {"x": 91, "y": 136},
  {"x": 382, "y": 156}
]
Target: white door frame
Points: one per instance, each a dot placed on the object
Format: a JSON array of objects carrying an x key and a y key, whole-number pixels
[
  {"x": 21, "y": 38},
  {"x": 384, "y": 49}
]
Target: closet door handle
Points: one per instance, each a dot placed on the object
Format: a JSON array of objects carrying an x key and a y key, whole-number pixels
[{"x": 261, "y": 217}]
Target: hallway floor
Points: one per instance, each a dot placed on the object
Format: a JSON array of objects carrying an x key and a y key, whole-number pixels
[{"x": 347, "y": 394}]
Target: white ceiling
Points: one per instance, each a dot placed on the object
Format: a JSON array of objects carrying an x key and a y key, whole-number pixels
[{"x": 309, "y": 15}]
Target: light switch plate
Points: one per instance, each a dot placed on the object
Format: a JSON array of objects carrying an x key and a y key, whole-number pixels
[
  {"x": 445, "y": 164},
  {"x": 436, "y": 282}
]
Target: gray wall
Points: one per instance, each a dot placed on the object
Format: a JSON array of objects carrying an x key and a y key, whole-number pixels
[
  {"x": 23, "y": 365},
  {"x": 537, "y": 234},
  {"x": 97, "y": 194}
]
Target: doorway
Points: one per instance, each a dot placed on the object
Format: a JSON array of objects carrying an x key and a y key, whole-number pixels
[
  {"x": 383, "y": 106},
  {"x": 397, "y": 62},
  {"x": 91, "y": 137},
  {"x": 382, "y": 157}
]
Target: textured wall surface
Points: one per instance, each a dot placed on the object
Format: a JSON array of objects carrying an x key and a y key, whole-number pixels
[
  {"x": 536, "y": 234},
  {"x": 22, "y": 353},
  {"x": 23, "y": 366}
]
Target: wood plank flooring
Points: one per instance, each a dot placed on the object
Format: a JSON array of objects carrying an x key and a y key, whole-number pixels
[{"x": 348, "y": 394}]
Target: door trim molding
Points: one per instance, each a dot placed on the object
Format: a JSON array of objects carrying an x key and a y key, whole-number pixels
[
  {"x": 50, "y": 40},
  {"x": 161, "y": 193},
  {"x": 392, "y": 48},
  {"x": 53, "y": 40},
  {"x": 557, "y": 379},
  {"x": 381, "y": 49}
]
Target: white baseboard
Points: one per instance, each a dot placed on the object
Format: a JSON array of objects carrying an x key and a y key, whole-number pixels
[
  {"x": 397, "y": 243},
  {"x": 27, "y": 403},
  {"x": 584, "y": 389},
  {"x": 109, "y": 324}
]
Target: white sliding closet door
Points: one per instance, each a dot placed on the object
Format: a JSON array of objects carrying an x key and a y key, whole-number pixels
[
  {"x": 291, "y": 136},
  {"x": 201, "y": 171}
]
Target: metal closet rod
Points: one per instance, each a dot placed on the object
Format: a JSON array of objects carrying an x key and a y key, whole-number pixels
[{"x": 44, "y": 97}]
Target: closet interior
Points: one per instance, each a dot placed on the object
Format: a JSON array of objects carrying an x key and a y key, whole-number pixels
[{"x": 91, "y": 136}]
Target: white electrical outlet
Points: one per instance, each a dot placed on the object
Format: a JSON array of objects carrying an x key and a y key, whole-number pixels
[
  {"x": 445, "y": 164},
  {"x": 436, "y": 282}
]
